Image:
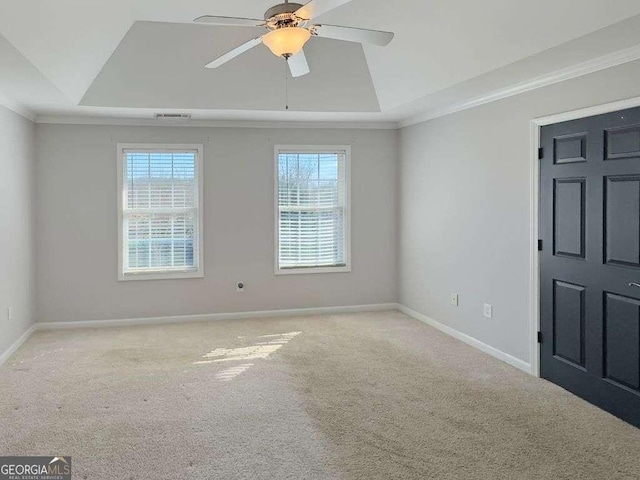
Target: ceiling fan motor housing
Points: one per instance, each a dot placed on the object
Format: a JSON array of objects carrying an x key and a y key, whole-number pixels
[
  {"x": 289, "y": 27},
  {"x": 282, "y": 15}
]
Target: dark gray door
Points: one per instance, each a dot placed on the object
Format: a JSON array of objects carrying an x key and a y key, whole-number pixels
[{"x": 590, "y": 260}]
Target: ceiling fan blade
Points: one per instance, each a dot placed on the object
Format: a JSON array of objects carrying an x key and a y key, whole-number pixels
[
  {"x": 234, "y": 53},
  {"x": 298, "y": 64},
  {"x": 315, "y": 8},
  {"x": 360, "y": 35},
  {"x": 229, "y": 21}
]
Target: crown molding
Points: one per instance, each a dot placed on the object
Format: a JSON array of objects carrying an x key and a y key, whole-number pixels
[
  {"x": 144, "y": 122},
  {"x": 17, "y": 107},
  {"x": 591, "y": 66},
  {"x": 604, "y": 62}
]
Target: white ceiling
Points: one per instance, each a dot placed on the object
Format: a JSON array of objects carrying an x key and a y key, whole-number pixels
[
  {"x": 66, "y": 56},
  {"x": 440, "y": 43}
]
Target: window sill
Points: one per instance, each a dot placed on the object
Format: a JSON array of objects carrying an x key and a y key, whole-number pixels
[
  {"x": 179, "y": 275},
  {"x": 312, "y": 270}
]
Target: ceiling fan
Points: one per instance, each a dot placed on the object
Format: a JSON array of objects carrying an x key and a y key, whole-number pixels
[{"x": 289, "y": 28}]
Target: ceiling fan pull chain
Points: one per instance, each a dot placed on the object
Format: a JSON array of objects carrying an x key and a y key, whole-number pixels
[{"x": 286, "y": 84}]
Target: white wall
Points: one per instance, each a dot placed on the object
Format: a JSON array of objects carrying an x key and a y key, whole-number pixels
[
  {"x": 16, "y": 240},
  {"x": 464, "y": 207},
  {"x": 77, "y": 230}
]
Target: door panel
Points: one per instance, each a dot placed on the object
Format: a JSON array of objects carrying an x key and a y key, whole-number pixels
[
  {"x": 569, "y": 217},
  {"x": 623, "y": 143},
  {"x": 568, "y": 322},
  {"x": 570, "y": 148},
  {"x": 590, "y": 227},
  {"x": 622, "y": 340},
  {"x": 622, "y": 222}
]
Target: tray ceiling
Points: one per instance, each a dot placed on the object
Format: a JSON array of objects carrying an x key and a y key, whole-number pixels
[
  {"x": 131, "y": 57},
  {"x": 160, "y": 65}
]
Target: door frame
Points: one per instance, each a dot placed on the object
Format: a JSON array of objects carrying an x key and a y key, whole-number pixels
[{"x": 535, "y": 125}]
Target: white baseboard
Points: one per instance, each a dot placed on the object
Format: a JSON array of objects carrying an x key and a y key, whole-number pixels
[
  {"x": 494, "y": 352},
  {"x": 4, "y": 356},
  {"x": 219, "y": 316},
  {"x": 500, "y": 355}
]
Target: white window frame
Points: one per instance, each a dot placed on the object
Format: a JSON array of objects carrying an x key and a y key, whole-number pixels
[
  {"x": 347, "y": 220},
  {"x": 198, "y": 251}
]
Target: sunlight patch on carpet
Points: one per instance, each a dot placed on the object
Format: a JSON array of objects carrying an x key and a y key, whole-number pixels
[
  {"x": 233, "y": 372},
  {"x": 259, "y": 350}
]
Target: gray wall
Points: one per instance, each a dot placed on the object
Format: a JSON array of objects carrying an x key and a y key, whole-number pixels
[
  {"x": 464, "y": 207},
  {"x": 463, "y": 188},
  {"x": 77, "y": 229},
  {"x": 16, "y": 240}
]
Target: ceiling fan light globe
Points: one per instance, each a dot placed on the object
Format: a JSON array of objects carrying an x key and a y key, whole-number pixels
[{"x": 286, "y": 41}]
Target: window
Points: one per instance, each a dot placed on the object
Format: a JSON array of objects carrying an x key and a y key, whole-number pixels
[
  {"x": 160, "y": 211},
  {"x": 312, "y": 209}
]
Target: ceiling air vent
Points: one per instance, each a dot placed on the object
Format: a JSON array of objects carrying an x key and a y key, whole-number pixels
[{"x": 173, "y": 117}]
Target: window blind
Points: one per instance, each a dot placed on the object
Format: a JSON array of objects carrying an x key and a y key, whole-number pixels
[
  {"x": 312, "y": 209},
  {"x": 160, "y": 211}
]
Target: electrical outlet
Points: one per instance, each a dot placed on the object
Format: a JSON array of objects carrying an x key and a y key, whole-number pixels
[
  {"x": 9, "y": 313},
  {"x": 454, "y": 299},
  {"x": 488, "y": 310},
  {"x": 239, "y": 286}
]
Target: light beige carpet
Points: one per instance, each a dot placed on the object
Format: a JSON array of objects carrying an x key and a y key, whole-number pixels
[{"x": 364, "y": 396}]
